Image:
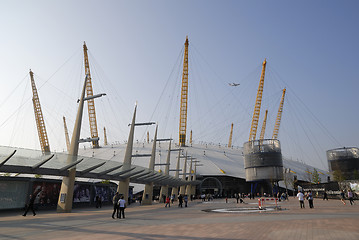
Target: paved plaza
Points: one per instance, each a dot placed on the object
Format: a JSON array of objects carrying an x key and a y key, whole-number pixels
[{"x": 328, "y": 220}]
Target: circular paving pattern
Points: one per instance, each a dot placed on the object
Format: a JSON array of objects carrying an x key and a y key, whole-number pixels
[{"x": 242, "y": 210}]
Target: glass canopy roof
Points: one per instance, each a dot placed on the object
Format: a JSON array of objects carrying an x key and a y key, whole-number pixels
[{"x": 19, "y": 160}]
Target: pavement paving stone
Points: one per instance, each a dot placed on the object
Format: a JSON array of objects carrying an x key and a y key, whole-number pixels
[{"x": 328, "y": 220}]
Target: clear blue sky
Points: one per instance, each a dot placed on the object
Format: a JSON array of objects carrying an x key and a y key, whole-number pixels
[{"x": 311, "y": 48}]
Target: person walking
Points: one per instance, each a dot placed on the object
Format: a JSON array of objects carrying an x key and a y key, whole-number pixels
[
  {"x": 300, "y": 197},
  {"x": 115, "y": 204},
  {"x": 180, "y": 200},
  {"x": 168, "y": 202},
  {"x": 342, "y": 197},
  {"x": 350, "y": 197},
  {"x": 172, "y": 198},
  {"x": 325, "y": 196},
  {"x": 30, "y": 204},
  {"x": 310, "y": 199},
  {"x": 122, "y": 206},
  {"x": 98, "y": 202},
  {"x": 185, "y": 200}
]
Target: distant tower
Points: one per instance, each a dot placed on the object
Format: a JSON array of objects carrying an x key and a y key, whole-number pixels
[
  {"x": 40, "y": 123},
  {"x": 263, "y": 160},
  {"x": 264, "y": 126},
  {"x": 257, "y": 107},
  {"x": 190, "y": 139},
  {"x": 279, "y": 117},
  {"x": 263, "y": 157},
  {"x": 230, "y": 137},
  {"x": 184, "y": 98},
  {"x": 344, "y": 162},
  {"x": 104, "y": 136},
  {"x": 67, "y": 138},
  {"x": 90, "y": 102}
]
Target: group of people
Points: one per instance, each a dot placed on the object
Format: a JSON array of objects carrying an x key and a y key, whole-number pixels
[
  {"x": 350, "y": 196},
  {"x": 309, "y": 196},
  {"x": 119, "y": 205},
  {"x": 169, "y": 200}
]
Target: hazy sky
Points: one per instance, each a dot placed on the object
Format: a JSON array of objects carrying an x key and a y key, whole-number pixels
[{"x": 135, "y": 52}]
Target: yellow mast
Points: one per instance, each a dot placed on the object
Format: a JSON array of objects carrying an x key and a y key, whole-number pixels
[
  {"x": 66, "y": 134},
  {"x": 257, "y": 108},
  {"x": 90, "y": 102},
  {"x": 264, "y": 126},
  {"x": 184, "y": 98},
  {"x": 40, "y": 123},
  {"x": 104, "y": 136},
  {"x": 230, "y": 137},
  {"x": 190, "y": 138},
  {"x": 279, "y": 117},
  {"x": 148, "y": 137}
]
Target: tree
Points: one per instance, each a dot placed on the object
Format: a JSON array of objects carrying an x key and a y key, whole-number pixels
[
  {"x": 338, "y": 176},
  {"x": 315, "y": 176}
]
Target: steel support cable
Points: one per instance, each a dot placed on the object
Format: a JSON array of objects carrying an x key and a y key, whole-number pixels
[
  {"x": 213, "y": 107},
  {"x": 196, "y": 72},
  {"x": 96, "y": 67},
  {"x": 315, "y": 149},
  {"x": 294, "y": 127},
  {"x": 167, "y": 112},
  {"x": 319, "y": 123},
  {"x": 201, "y": 98},
  {"x": 306, "y": 134},
  {"x": 58, "y": 69},
  {"x": 311, "y": 113},
  {"x": 226, "y": 98},
  {"x": 164, "y": 90},
  {"x": 118, "y": 119},
  {"x": 195, "y": 50},
  {"x": 167, "y": 82},
  {"x": 71, "y": 98},
  {"x": 314, "y": 146},
  {"x": 13, "y": 91},
  {"x": 49, "y": 127},
  {"x": 212, "y": 131},
  {"x": 217, "y": 74},
  {"x": 22, "y": 103},
  {"x": 318, "y": 144},
  {"x": 60, "y": 106},
  {"x": 60, "y": 99}
]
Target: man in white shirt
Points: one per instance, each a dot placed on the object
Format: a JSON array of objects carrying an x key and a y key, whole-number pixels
[
  {"x": 300, "y": 196},
  {"x": 122, "y": 205}
]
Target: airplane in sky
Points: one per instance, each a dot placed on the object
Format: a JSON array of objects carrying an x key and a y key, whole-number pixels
[{"x": 233, "y": 84}]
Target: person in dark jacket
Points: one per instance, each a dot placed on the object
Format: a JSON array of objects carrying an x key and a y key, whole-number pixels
[
  {"x": 115, "y": 205},
  {"x": 180, "y": 200},
  {"x": 30, "y": 204}
]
